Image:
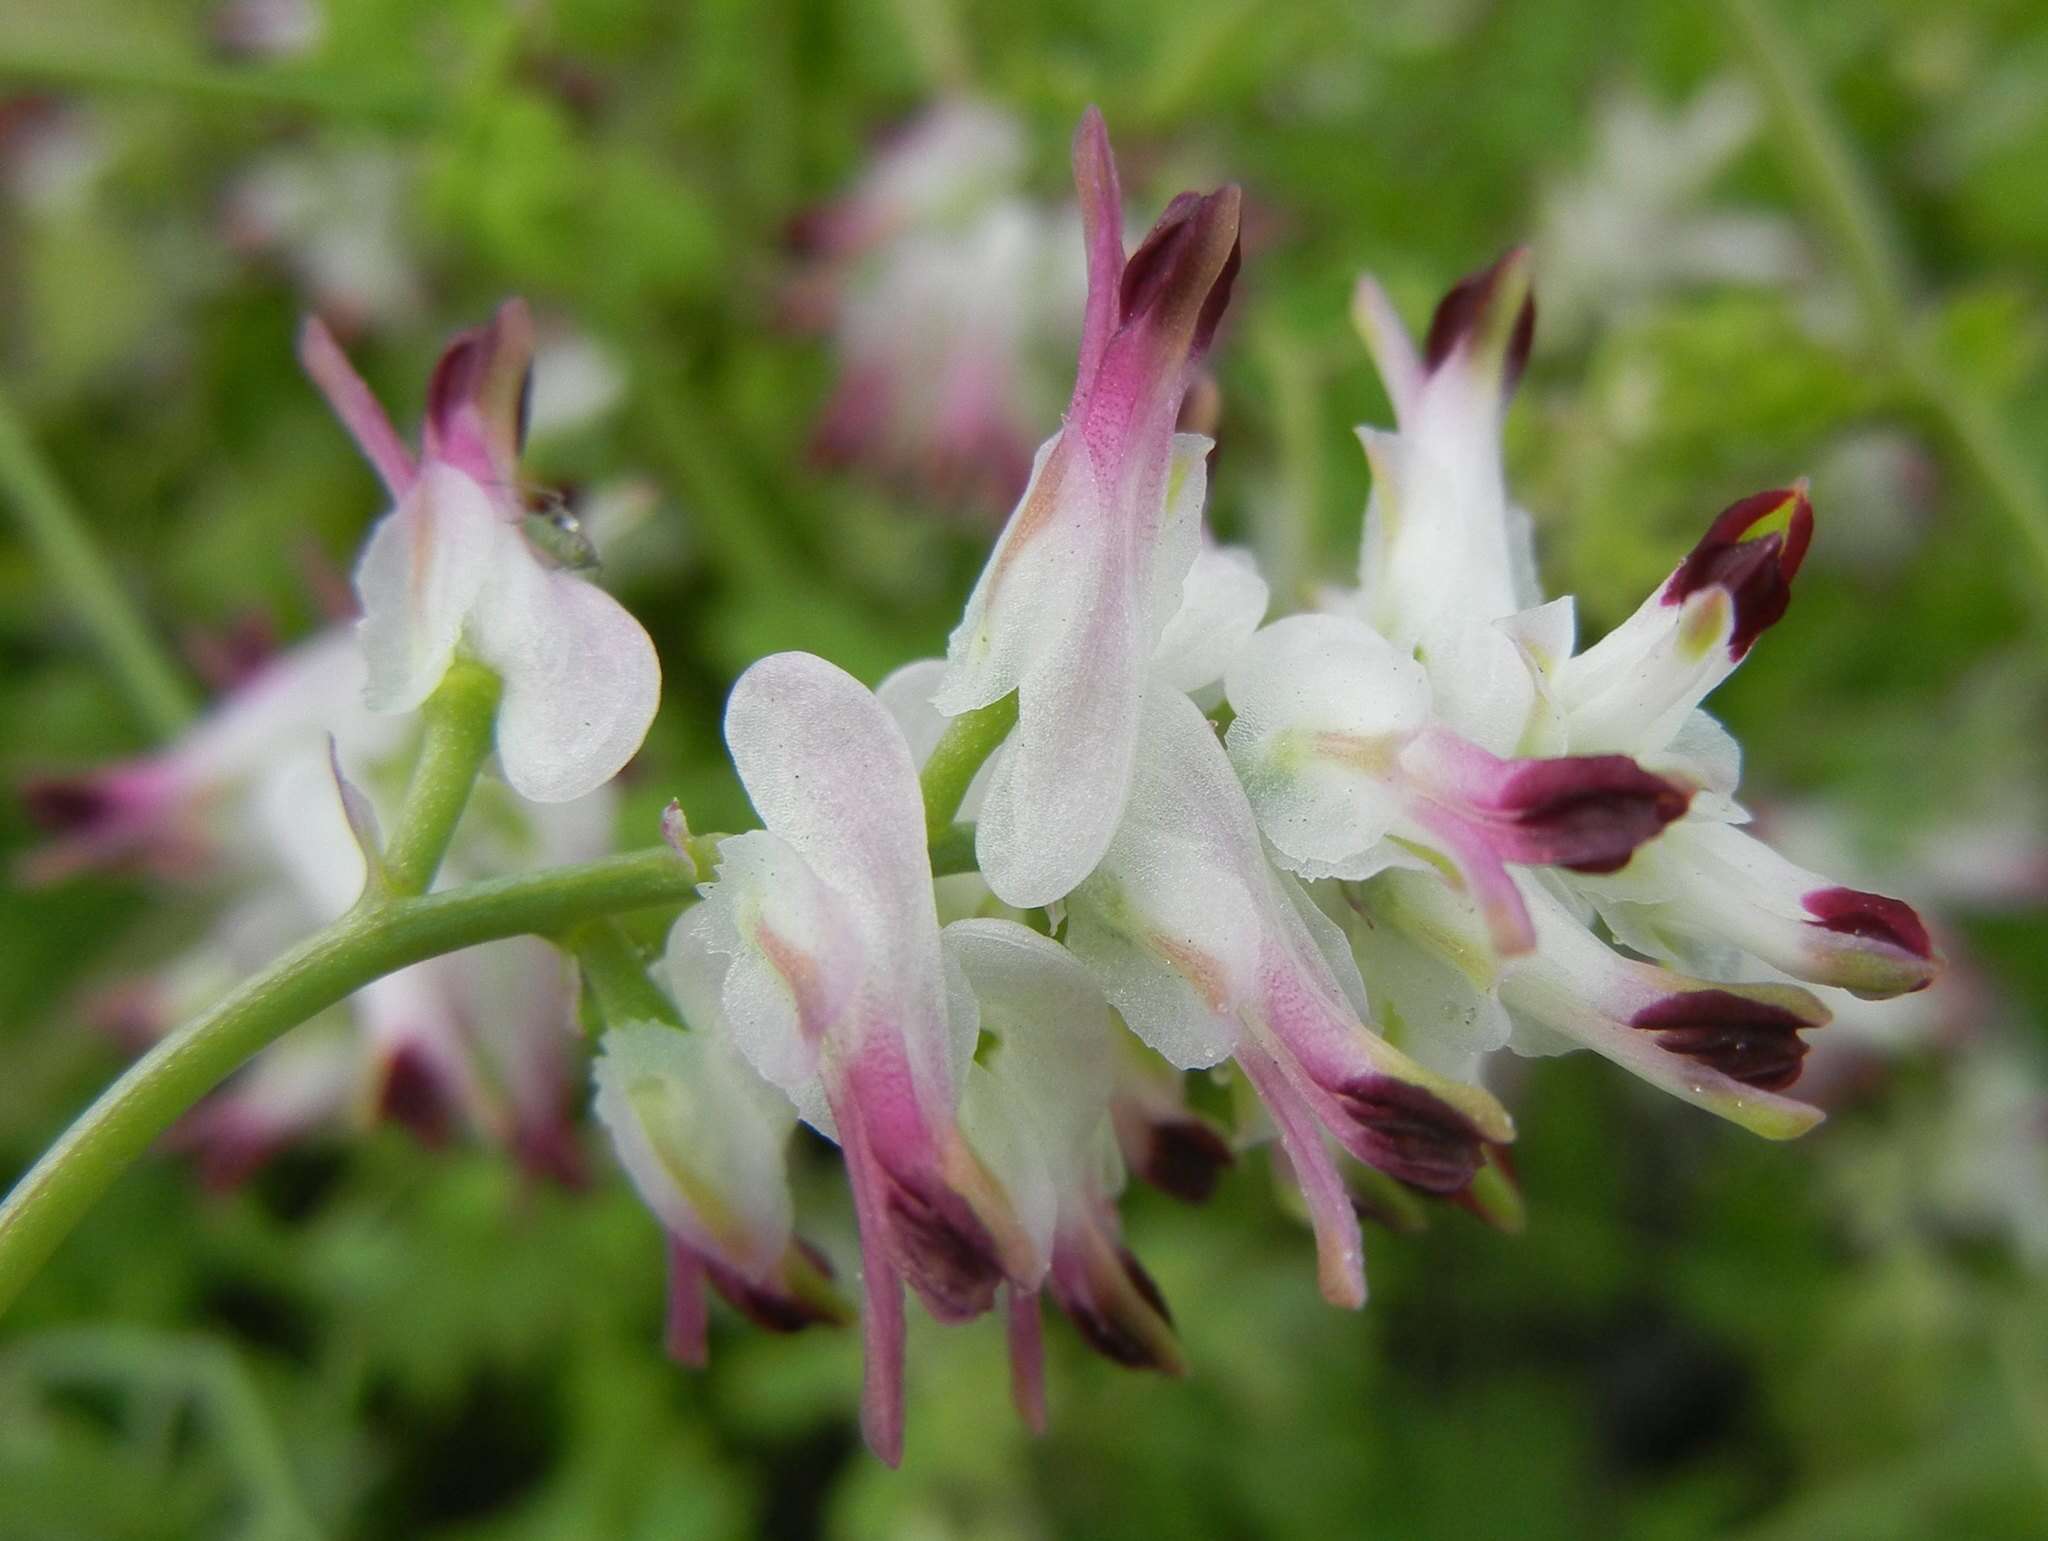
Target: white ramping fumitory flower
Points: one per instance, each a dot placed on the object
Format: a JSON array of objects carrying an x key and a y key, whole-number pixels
[
  {"x": 172, "y": 812},
  {"x": 1210, "y": 953},
  {"x": 818, "y": 950},
  {"x": 1335, "y": 741},
  {"x": 449, "y": 571},
  {"x": 1501, "y": 669},
  {"x": 335, "y": 221},
  {"x": 939, "y": 372},
  {"x": 703, "y": 1138},
  {"x": 1090, "y": 567},
  {"x": 246, "y": 802},
  {"x": 1053, "y": 1064}
]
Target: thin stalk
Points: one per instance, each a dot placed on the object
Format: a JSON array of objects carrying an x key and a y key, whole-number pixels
[
  {"x": 1819, "y": 157},
  {"x": 952, "y": 850},
  {"x": 460, "y": 719},
  {"x": 205, "y": 84},
  {"x": 968, "y": 742},
  {"x": 322, "y": 971},
  {"x": 617, "y": 976},
  {"x": 154, "y": 685}
]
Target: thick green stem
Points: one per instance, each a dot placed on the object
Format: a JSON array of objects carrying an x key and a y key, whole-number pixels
[
  {"x": 460, "y": 718},
  {"x": 968, "y": 742},
  {"x": 1820, "y": 160},
  {"x": 617, "y": 975},
  {"x": 320, "y": 972},
  {"x": 82, "y": 580}
]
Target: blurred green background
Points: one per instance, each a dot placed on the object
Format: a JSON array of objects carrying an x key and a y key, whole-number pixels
[{"x": 1698, "y": 1335}]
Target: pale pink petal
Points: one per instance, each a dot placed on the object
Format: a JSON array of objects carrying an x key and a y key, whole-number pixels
[
  {"x": 356, "y": 406},
  {"x": 582, "y": 680},
  {"x": 1340, "y": 1249},
  {"x": 702, "y": 1139},
  {"x": 1026, "y": 1338},
  {"x": 829, "y": 772},
  {"x": 419, "y": 578}
]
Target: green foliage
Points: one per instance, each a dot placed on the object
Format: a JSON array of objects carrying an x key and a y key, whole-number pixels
[{"x": 1697, "y": 1336}]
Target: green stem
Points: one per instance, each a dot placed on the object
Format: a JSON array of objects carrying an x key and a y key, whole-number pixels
[
  {"x": 460, "y": 718},
  {"x": 968, "y": 742},
  {"x": 617, "y": 975},
  {"x": 86, "y": 585},
  {"x": 217, "y": 85},
  {"x": 322, "y": 971},
  {"x": 1820, "y": 159},
  {"x": 952, "y": 850}
]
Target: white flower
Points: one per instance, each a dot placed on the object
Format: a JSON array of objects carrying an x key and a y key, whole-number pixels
[
  {"x": 450, "y": 572},
  {"x": 1089, "y": 569}
]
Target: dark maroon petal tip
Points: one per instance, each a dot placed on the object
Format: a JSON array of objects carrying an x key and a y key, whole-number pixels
[
  {"x": 1754, "y": 1042},
  {"x": 69, "y": 805},
  {"x": 548, "y": 1149},
  {"x": 1121, "y": 1315},
  {"x": 1872, "y": 917},
  {"x": 1410, "y": 1134},
  {"x": 1585, "y": 812},
  {"x": 1753, "y": 549},
  {"x": 1184, "y": 268},
  {"x": 1185, "y": 1158},
  {"x": 488, "y": 371},
  {"x": 767, "y": 1307},
  {"x": 416, "y": 1096},
  {"x": 1468, "y": 309},
  {"x": 945, "y": 1252}
]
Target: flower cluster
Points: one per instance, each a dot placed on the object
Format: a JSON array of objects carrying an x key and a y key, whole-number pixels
[
  {"x": 1342, "y": 859},
  {"x": 1434, "y": 829}
]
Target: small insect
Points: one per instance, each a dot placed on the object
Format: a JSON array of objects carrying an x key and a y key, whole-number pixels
[{"x": 551, "y": 524}]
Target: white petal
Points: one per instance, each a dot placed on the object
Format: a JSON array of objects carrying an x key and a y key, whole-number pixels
[
  {"x": 1705, "y": 754},
  {"x": 771, "y": 953},
  {"x": 908, "y": 694},
  {"x": 1002, "y": 1135},
  {"x": 702, "y": 1139},
  {"x": 1053, "y": 1057},
  {"x": 1321, "y": 700},
  {"x": 1171, "y": 924},
  {"x": 1069, "y": 610},
  {"x": 830, "y": 774},
  {"x": 419, "y": 578},
  {"x": 581, "y": 677},
  {"x": 1223, "y": 599},
  {"x": 1481, "y": 684},
  {"x": 1633, "y": 690}
]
